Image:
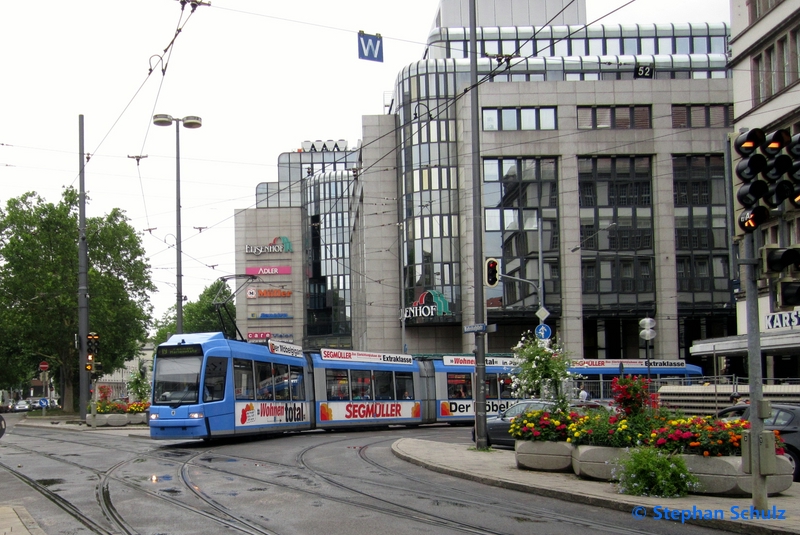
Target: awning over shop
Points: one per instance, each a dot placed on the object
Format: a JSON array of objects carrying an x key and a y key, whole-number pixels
[{"x": 785, "y": 342}]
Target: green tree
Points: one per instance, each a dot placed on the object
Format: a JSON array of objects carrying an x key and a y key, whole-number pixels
[
  {"x": 200, "y": 316},
  {"x": 39, "y": 288}
]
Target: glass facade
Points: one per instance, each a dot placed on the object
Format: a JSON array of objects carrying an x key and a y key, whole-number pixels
[
  {"x": 615, "y": 195},
  {"x": 326, "y": 246},
  {"x": 520, "y": 206},
  {"x": 521, "y": 191}
]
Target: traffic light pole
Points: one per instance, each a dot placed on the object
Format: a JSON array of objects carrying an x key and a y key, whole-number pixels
[
  {"x": 83, "y": 286},
  {"x": 754, "y": 371},
  {"x": 481, "y": 441}
]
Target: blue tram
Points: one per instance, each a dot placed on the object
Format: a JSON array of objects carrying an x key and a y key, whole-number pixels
[
  {"x": 243, "y": 388},
  {"x": 206, "y": 386},
  {"x": 254, "y": 389},
  {"x": 454, "y": 387},
  {"x": 356, "y": 388}
]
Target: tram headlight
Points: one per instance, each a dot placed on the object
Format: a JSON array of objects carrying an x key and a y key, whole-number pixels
[
  {"x": 153, "y": 416},
  {"x": 195, "y": 415}
]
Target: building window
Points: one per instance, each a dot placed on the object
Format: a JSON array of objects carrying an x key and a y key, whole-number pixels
[
  {"x": 619, "y": 117},
  {"x": 520, "y": 200},
  {"x": 495, "y": 119},
  {"x": 702, "y": 116},
  {"x": 699, "y": 200},
  {"x": 758, "y": 8},
  {"x": 618, "y": 190}
]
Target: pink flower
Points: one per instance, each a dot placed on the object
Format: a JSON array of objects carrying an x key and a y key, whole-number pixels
[{"x": 661, "y": 441}]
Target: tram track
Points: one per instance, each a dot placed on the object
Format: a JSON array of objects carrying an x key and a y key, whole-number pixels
[
  {"x": 103, "y": 496},
  {"x": 205, "y": 473}
]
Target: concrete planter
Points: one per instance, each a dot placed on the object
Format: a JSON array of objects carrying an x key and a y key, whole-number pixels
[
  {"x": 544, "y": 456},
  {"x": 117, "y": 420},
  {"x": 724, "y": 476},
  {"x": 108, "y": 420},
  {"x": 595, "y": 462},
  {"x": 137, "y": 417}
]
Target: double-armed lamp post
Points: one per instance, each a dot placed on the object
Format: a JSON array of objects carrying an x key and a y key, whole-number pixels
[{"x": 190, "y": 121}]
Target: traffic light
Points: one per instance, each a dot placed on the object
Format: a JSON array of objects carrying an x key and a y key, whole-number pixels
[
  {"x": 753, "y": 189},
  {"x": 92, "y": 343},
  {"x": 490, "y": 276},
  {"x": 89, "y": 363},
  {"x": 775, "y": 259},
  {"x": 788, "y": 293},
  {"x": 777, "y": 165},
  {"x": 794, "y": 173}
]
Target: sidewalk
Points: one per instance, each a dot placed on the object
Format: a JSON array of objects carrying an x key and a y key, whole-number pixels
[
  {"x": 498, "y": 468},
  {"x": 17, "y": 521}
]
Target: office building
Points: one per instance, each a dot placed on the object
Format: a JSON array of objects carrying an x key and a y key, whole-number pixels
[{"x": 602, "y": 175}]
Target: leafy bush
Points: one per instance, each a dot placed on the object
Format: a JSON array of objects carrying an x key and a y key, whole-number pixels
[
  {"x": 543, "y": 369},
  {"x": 651, "y": 472},
  {"x": 632, "y": 394},
  {"x": 599, "y": 428},
  {"x": 542, "y": 425}
]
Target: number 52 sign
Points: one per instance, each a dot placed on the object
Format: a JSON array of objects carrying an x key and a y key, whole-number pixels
[{"x": 643, "y": 70}]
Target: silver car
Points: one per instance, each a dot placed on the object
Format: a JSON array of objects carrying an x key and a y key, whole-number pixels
[
  {"x": 22, "y": 406},
  {"x": 497, "y": 426}
]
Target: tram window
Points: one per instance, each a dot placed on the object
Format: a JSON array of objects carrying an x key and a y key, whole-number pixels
[
  {"x": 404, "y": 385},
  {"x": 337, "y": 384},
  {"x": 216, "y": 371},
  {"x": 243, "y": 378},
  {"x": 506, "y": 385},
  {"x": 176, "y": 379},
  {"x": 264, "y": 380},
  {"x": 298, "y": 385},
  {"x": 491, "y": 386},
  {"x": 384, "y": 386},
  {"x": 281, "y": 381},
  {"x": 459, "y": 385},
  {"x": 361, "y": 384}
]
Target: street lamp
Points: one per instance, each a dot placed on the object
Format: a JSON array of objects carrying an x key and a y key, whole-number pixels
[
  {"x": 190, "y": 121},
  {"x": 647, "y": 334}
]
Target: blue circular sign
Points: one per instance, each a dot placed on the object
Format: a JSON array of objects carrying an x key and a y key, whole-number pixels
[
  {"x": 543, "y": 332},
  {"x": 43, "y": 402}
]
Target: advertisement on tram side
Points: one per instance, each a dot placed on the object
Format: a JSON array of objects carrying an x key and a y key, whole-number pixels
[
  {"x": 346, "y": 411},
  {"x": 251, "y": 413}
]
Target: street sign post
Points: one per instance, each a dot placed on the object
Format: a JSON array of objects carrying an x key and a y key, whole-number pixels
[{"x": 543, "y": 332}]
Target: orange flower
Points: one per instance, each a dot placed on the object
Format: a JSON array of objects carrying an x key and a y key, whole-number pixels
[{"x": 706, "y": 454}]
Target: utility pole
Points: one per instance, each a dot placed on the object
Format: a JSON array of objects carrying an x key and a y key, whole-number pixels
[
  {"x": 83, "y": 279},
  {"x": 481, "y": 441}
]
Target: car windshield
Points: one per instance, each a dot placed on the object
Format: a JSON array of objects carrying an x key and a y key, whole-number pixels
[{"x": 176, "y": 380}]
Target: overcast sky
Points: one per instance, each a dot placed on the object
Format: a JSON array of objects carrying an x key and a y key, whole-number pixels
[{"x": 263, "y": 75}]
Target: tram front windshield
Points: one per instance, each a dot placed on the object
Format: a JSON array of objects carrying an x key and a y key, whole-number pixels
[{"x": 176, "y": 380}]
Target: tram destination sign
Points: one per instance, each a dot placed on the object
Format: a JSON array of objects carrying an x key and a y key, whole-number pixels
[{"x": 184, "y": 350}]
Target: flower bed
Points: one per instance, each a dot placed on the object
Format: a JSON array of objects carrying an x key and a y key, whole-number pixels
[{"x": 597, "y": 441}]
